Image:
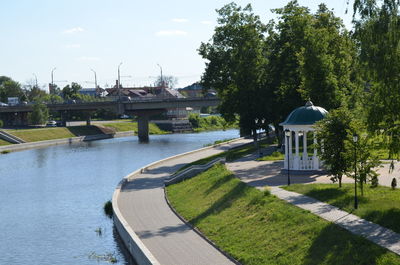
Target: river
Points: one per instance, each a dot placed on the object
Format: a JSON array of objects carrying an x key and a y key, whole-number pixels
[{"x": 51, "y": 199}]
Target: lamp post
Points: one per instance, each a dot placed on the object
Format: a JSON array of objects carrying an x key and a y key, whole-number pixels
[
  {"x": 287, "y": 134},
  {"x": 355, "y": 140},
  {"x": 119, "y": 83},
  {"x": 95, "y": 77},
  {"x": 52, "y": 80},
  {"x": 35, "y": 80}
]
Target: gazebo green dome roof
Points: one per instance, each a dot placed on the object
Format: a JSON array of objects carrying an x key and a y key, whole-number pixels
[{"x": 305, "y": 115}]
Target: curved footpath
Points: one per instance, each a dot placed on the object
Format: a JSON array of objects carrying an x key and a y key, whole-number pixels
[{"x": 148, "y": 226}]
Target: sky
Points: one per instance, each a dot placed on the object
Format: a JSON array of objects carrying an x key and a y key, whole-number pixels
[{"x": 75, "y": 36}]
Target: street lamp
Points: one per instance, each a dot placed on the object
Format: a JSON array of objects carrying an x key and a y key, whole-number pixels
[
  {"x": 355, "y": 140},
  {"x": 119, "y": 83},
  {"x": 52, "y": 80},
  {"x": 35, "y": 80},
  {"x": 287, "y": 134},
  {"x": 95, "y": 77}
]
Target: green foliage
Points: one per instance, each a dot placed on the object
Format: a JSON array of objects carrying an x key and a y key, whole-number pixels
[
  {"x": 208, "y": 123},
  {"x": 378, "y": 34},
  {"x": 1, "y": 123},
  {"x": 257, "y": 228},
  {"x": 331, "y": 134},
  {"x": 108, "y": 211},
  {"x": 10, "y": 88},
  {"x": 71, "y": 91},
  {"x": 236, "y": 64},
  {"x": 40, "y": 114}
]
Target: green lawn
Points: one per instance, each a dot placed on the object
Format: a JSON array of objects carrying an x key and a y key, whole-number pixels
[
  {"x": 42, "y": 134},
  {"x": 379, "y": 205},
  {"x": 272, "y": 157},
  {"x": 257, "y": 228},
  {"x": 2, "y": 142},
  {"x": 132, "y": 126}
]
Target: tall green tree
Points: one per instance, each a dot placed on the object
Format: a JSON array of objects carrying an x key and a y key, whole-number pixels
[
  {"x": 40, "y": 114},
  {"x": 328, "y": 62},
  {"x": 311, "y": 57},
  {"x": 235, "y": 65},
  {"x": 332, "y": 133},
  {"x": 377, "y": 30}
]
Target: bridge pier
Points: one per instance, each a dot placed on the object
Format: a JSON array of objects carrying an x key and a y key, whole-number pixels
[{"x": 143, "y": 128}]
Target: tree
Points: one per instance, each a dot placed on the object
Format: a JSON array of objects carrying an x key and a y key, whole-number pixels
[
  {"x": 327, "y": 62},
  {"x": 377, "y": 30},
  {"x": 311, "y": 57},
  {"x": 166, "y": 81},
  {"x": 235, "y": 65},
  {"x": 332, "y": 134},
  {"x": 70, "y": 92},
  {"x": 9, "y": 88},
  {"x": 40, "y": 114}
]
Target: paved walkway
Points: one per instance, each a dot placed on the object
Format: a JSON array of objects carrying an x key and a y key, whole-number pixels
[
  {"x": 267, "y": 173},
  {"x": 143, "y": 206}
]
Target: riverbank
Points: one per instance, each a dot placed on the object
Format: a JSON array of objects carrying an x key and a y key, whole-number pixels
[{"x": 169, "y": 240}]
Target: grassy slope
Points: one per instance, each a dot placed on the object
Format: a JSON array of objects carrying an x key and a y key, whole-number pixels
[
  {"x": 257, "y": 228},
  {"x": 2, "y": 142},
  {"x": 132, "y": 126},
  {"x": 41, "y": 134},
  {"x": 380, "y": 205}
]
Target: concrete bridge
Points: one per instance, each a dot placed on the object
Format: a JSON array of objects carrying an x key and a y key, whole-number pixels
[{"x": 143, "y": 108}]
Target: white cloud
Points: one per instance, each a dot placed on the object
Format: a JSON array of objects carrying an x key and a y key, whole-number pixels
[
  {"x": 88, "y": 58},
  {"x": 72, "y": 46},
  {"x": 180, "y": 20},
  {"x": 206, "y": 22},
  {"x": 171, "y": 33},
  {"x": 73, "y": 30}
]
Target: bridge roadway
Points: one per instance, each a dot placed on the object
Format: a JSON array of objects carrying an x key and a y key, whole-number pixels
[
  {"x": 142, "y": 204},
  {"x": 142, "y": 108},
  {"x": 128, "y": 106}
]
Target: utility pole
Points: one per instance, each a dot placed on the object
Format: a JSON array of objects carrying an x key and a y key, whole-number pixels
[{"x": 119, "y": 83}]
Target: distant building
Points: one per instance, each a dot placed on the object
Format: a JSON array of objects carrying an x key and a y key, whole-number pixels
[
  {"x": 147, "y": 92},
  {"x": 196, "y": 90},
  {"x": 93, "y": 92}
]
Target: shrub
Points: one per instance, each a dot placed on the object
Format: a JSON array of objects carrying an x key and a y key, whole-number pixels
[
  {"x": 108, "y": 209},
  {"x": 1, "y": 123}
]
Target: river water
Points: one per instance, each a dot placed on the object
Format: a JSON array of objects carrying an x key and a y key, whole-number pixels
[{"x": 51, "y": 199}]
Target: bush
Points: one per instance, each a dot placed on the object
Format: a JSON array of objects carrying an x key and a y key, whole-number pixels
[
  {"x": 108, "y": 209},
  {"x": 1, "y": 123}
]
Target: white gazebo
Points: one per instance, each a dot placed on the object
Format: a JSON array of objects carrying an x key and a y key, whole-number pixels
[{"x": 298, "y": 127}]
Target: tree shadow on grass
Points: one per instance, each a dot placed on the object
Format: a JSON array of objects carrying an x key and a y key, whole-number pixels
[
  {"x": 224, "y": 202},
  {"x": 388, "y": 218},
  {"x": 326, "y": 194},
  {"x": 219, "y": 183},
  {"x": 334, "y": 245},
  {"x": 84, "y": 130}
]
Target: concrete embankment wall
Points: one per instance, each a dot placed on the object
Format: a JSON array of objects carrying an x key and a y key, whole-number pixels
[
  {"x": 136, "y": 248},
  {"x": 39, "y": 144}
]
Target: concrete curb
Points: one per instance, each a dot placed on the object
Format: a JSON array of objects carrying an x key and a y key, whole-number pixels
[{"x": 137, "y": 249}]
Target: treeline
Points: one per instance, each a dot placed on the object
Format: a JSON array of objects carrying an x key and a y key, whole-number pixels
[
  {"x": 33, "y": 93},
  {"x": 264, "y": 70}
]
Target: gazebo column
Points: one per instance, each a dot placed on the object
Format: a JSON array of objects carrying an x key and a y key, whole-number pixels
[
  {"x": 305, "y": 155},
  {"x": 286, "y": 153},
  {"x": 315, "y": 157},
  {"x": 296, "y": 160}
]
